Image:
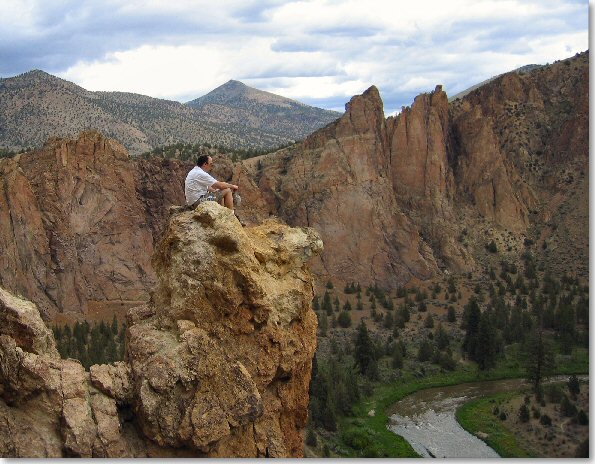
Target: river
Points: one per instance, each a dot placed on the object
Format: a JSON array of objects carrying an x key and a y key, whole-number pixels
[{"x": 426, "y": 419}]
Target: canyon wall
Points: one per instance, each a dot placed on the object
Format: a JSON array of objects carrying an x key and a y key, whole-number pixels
[{"x": 408, "y": 196}]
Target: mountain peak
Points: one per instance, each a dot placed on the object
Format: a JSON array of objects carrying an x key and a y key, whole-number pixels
[
  {"x": 36, "y": 74},
  {"x": 234, "y": 83},
  {"x": 237, "y": 103},
  {"x": 225, "y": 93},
  {"x": 38, "y": 77}
]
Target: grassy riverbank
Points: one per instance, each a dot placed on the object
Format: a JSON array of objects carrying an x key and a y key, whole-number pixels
[
  {"x": 556, "y": 426},
  {"x": 366, "y": 434},
  {"x": 477, "y": 416}
]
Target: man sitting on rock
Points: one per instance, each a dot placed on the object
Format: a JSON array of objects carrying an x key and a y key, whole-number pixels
[{"x": 201, "y": 186}]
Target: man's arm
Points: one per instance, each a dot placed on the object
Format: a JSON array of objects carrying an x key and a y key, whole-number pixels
[{"x": 223, "y": 185}]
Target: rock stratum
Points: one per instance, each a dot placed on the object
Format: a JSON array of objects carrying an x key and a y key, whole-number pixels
[{"x": 218, "y": 362}]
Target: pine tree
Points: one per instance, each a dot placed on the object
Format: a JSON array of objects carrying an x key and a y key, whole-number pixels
[
  {"x": 425, "y": 351},
  {"x": 524, "y": 413},
  {"x": 388, "y": 321},
  {"x": 404, "y": 313},
  {"x": 326, "y": 304},
  {"x": 539, "y": 358},
  {"x": 397, "y": 357},
  {"x": 323, "y": 324},
  {"x": 114, "y": 326},
  {"x": 316, "y": 303},
  {"x": 364, "y": 348},
  {"x": 111, "y": 351},
  {"x": 344, "y": 319},
  {"x": 486, "y": 346},
  {"x": 441, "y": 337},
  {"x": 471, "y": 318}
]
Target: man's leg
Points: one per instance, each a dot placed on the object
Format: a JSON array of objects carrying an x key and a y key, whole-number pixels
[{"x": 227, "y": 200}]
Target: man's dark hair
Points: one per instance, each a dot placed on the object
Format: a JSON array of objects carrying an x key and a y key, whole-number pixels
[{"x": 202, "y": 160}]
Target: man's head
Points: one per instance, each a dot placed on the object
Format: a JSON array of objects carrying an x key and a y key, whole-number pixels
[{"x": 205, "y": 162}]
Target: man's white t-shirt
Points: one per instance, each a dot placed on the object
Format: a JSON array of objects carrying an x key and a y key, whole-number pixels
[{"x": 197, "y": 184}]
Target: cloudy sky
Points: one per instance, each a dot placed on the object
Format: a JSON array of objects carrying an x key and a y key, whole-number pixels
[{"x": 320, "y": 52}]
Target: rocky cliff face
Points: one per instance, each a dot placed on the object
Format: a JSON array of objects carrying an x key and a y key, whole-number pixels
[
  {"x": 218, "y": 362},
  {"x": 393, "y": 198},
  {"x": 520, "y": 158},
  {"x": 78, "y": 219},
  {"x": 380, "y": 191},
  {"x": 425, "y": 191}
]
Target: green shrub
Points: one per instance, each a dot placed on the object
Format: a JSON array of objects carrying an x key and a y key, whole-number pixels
[
  {"x": 429, "y": 321},
  {"x": 491, "y": 247},
  {"x": 567, "y": 407},
  {"x": 372, "y": 451},
  {"x": 447, "y": 362},
  {"x": 545, "y": 420},
  {"x": 524, "y": 413},
  {"x": 573, "y": 385},
  {"x": 554, "y": 393},
  {"x": 425, "y": 351},
  {"x": 357, "y": 439}
]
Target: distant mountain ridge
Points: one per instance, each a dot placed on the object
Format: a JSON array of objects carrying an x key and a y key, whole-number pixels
[
  {"x": 236, "y": 103},
  {"x": 36, "y": 105}
]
